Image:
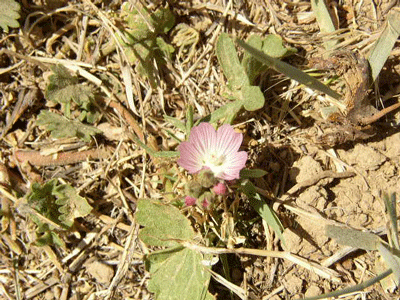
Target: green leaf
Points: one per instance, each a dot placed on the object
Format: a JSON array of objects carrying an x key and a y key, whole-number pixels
[
  {"x": 253, "y": 173},
  {"x": 64, "y": 88},
  {"x": 62, "y": 127},
  {"x": 352, "y": 237},
  {"x": 289, "y": 70},
  {"x": 9, "y": 14},
  {"x": 58, "y": 205},
  {"x": 230, "y": 64},
  {"x": 384, "y": 44},
  {"x": 163, "y": 224},
  {"x": 252, "y": 66},
  {"x": 42, "y": 200},
  {"x": 252, "y": 97},
  {"x": 262, "y": 208},
  {"x": 178, "y": 273},
  {"x": 50, "y": 238},
  {"x": 189, "y": 119}
]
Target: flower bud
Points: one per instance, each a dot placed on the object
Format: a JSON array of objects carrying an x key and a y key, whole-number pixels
[
  {"x": 220, "y": 188},
  {"x": 205, "y": 200},
  {"x": 206, "y": 178},
  {"x": 189, "y": 201},
  {"x": 193, "y": 189}
]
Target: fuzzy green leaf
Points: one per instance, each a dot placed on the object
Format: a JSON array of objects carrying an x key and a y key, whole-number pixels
[
  {"x": 392, "y": 261},
  {"x": 227, "y": 113},
  {"x": 166, "y": 154},
  {"x": 324, "y": 20},
  {"x": 177, "y": 123},
  {"x": 252, "y": 97},
  {"x": 141, "y": 40},
  {"x": 352, "y": 237},
  {"x": 42, "y": 199},
  {"x": 62, "y": 127},
  {"x": 9, "y": 14},
  {"x": 229, "y": 61},
  {"x": 163, "y": 224},
  {"x": 50, "y": 238},
  {"x": 178, "y": 273},
  {"x": 252, "y": 66},
  {"x": 59, "y": 203},
  {"x": 64, "y": 88}
]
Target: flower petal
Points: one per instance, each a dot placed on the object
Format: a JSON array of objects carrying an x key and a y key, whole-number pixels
[
  {"x": 234, "y": 163},
  {"x": 190, "y": 159},
  {"x": 203, "y": 137},
  {"x": 228, "y": 141}
]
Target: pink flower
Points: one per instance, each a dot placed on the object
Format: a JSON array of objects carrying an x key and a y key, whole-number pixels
[
  {"x": 220, "y": 188},
  {"x": 189, "y": 201},
  {"x": 214, "y": 150}
]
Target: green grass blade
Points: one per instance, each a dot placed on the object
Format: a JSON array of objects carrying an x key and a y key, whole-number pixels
[
  {"x": 384, "y": 44},
  {"x": 263, "y": 209},
  {"x": 289, "y": 70},
  {"x": 324, "y": 21},
  {"x": 353, "y": 289},
  {"x": 390, "y": 205}
]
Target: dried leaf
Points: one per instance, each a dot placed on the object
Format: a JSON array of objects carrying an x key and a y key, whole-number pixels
[{"x": 9, "y": 14}]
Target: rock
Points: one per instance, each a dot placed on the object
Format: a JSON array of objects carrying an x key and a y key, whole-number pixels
[
  {"x": 101, "y": 272},
  {"x": 312, "y": 291}
]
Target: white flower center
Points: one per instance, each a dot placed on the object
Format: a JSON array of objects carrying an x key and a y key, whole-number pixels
[{"x": 215, "y": 163}]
